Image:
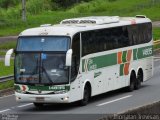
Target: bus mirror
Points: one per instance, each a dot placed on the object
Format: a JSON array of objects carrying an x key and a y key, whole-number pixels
[
  {"x": 69, "y": 57},
  {"x": 8, "y": 57}
]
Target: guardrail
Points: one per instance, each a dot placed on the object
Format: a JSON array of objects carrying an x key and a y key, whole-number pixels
[
  {"x": 6, "y": 78},
  {"x": 156, "y": 42},
  {"x": 156, "y": 45}
]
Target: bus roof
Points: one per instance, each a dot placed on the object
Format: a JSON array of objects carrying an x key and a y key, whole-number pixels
[{"x": 69, "y": 27}]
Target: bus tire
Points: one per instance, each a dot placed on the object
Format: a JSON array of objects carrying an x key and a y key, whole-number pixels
[
  {"x": 138, "y": 80},
  {"x": 131, "y": 86},
  {"x": 38, "y": 105},
  {"x": 86, "y": 95}
]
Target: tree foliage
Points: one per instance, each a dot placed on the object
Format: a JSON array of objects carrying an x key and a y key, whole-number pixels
[
  {"x": 67, "y": 3},
  {"x": 8, "y": 3}
]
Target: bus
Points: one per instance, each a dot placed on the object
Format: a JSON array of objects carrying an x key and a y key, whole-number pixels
[{"x": 82, "y": 57}]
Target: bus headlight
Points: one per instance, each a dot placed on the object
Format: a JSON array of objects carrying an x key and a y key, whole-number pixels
[{"x": 66, "y": 98}]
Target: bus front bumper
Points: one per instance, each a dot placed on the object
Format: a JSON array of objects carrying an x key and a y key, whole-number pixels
[{"x": 54, "y": 98}]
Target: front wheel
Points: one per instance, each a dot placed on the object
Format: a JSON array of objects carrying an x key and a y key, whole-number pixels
[{"x": 86, "y": 96}]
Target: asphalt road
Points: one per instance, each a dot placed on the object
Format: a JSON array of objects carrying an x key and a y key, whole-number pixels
[{"x": 109, "y": 103}]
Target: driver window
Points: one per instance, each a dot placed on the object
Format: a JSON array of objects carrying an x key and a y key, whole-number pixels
[{"x": 75, "y": 56}]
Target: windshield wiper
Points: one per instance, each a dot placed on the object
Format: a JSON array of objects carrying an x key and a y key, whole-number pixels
[{"x": 48, "y": 77}]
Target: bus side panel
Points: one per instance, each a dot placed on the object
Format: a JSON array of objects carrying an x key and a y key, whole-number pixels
[
  {"x": 76, "y": 89},
  {"x": 149, "y": 68}
]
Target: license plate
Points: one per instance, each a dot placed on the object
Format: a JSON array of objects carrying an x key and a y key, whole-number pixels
[{"x": 39, "y": 99}]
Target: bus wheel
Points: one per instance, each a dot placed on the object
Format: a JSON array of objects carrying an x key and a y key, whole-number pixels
[
  {"x": 131, "y": 86},
  {"x": 138, "y": 80},
  {"x": 38, "y": 105},
  {"x": 86, "y": 96}
]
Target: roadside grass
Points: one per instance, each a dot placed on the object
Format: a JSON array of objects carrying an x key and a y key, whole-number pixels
[
  {"x": 156, "y": 47},
  {"x": 4, "y": 46},
  {"x": 49, "y": 17},
  {"x": 7, "y": 45},
  {"x": 120, "y": 8},
  {"x": 7, "y": 84},
  {"x": 4, "y": 71},
  {"x": 32, "y": 21},
  {"x": 11, "y": 30},
  {"x": 2, "y": 53},
  {"x": 101, "y": 5},
  {"x": 156, "y": 33},
  {"x": 14, "y": 25}
]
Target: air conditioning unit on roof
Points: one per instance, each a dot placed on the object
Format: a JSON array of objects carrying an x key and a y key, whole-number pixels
[{"x": 92, "y": 20}]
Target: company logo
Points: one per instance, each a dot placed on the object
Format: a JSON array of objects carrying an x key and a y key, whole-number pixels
[
  {"x": 91, "y": 65},
  {"x": 24, "y": 88},
  {"x": 147, "y": 51}
]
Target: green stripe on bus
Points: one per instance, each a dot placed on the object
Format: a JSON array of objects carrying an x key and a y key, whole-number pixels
[
  {"x": 145, "y": 52},
  {"x": 45, "y": 88},
  {"x": 102, "y": 61},
  {"x": 124, "y": 56},
  {"x": 83, "y": 62},
  {"x": 135, "y": 54},
  {"x": 121, "y": 69},
  {"x": 17, "y": 87},
  {"x": 49, "y": 88},
  {"x": 111, "y": 59}
]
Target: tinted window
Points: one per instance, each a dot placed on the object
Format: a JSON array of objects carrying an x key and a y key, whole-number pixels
[
  {"x": 75, "y": 56},
  {"x": 113, "y": 38}
]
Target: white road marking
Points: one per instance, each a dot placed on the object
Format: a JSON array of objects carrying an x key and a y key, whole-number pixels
[
  {"x": 156, "y": 57},
  {"x": 25, "y": 105},
  {"x": 114, "y": 100},
  {"x": 7, "y": 96},
  {"x": 4, "y": 110},
  {"x": 156, "y": 60},
  {"x": 15, "y": 107}
]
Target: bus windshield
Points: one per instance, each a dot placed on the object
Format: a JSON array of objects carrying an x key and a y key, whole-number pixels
[
  {"x": 41, "y": 60},
  {"x": 52, "y": 43},
  {"x": 41, "y": 68}
]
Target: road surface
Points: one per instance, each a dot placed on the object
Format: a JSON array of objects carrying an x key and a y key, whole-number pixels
[{"x": 109, "y": 103}]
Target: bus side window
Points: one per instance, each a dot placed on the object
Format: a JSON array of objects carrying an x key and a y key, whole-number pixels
[{"x": 75, "y": 56}]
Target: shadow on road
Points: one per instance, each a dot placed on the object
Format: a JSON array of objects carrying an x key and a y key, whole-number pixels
[{"x": 71, "y": 106}]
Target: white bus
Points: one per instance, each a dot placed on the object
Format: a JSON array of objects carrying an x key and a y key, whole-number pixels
[{"x": 82, "y": 57}]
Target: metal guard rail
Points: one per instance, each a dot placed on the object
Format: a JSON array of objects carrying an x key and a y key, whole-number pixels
[
  {"x": 156, "y": 42},
  {"x": 6, "y": 78}
]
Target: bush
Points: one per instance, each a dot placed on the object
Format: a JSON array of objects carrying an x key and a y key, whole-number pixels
[
  {"x": 8, "y": 3},
  {"x": 36, "y": 6},
  {"x": 67, "y": 3}
]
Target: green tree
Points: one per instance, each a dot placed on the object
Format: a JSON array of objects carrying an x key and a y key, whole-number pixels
[
  {"x": 8, "y": 3},
  {"x": 67, "y": 3}
]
